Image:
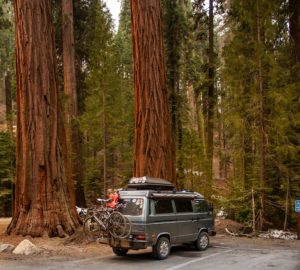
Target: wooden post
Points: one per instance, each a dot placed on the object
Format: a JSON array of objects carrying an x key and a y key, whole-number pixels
[
  {"x": 298, "y": 226},
  {"x": 286, "y": 203}
]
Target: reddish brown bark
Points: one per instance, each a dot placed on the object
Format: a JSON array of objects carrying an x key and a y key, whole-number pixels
[
  {"x": 71, "y": 108},
  {"x": 211, "y": 102},
  {"x": 44, "y": 198},
  {"x": 69, "y": 59},
  {"x": 8, "y": 102},
  {"x": 153, "y": 153},
  {"x": 294, "y": 6}
]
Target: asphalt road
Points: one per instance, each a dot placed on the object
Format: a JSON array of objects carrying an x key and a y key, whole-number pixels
[{"x": 220, "y": 258}]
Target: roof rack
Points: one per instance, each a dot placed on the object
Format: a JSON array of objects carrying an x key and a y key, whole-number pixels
[
  {"x": 150, "y": 183},
  {"x": 175, "y": 196}
]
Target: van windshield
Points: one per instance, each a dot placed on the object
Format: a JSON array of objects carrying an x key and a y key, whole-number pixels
[{"x": 132, "y": 206}]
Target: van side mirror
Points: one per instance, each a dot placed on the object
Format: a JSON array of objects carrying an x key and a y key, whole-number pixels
[{"x": 210, "y": 207}]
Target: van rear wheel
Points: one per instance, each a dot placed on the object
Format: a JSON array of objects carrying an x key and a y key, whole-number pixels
[
  {"x": 202, "y": 241},
  {"x": 162, "y": 248},
  {"x": 120, "y": 251}
]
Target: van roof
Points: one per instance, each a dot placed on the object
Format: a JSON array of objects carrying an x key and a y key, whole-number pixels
[{"x": 162, "y": 194}]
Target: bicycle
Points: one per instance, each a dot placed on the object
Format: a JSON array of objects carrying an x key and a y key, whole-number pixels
[{"x": 104, "y": 221}]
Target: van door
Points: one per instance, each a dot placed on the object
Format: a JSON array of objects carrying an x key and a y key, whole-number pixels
[
  {"x": 162, "y": 219},
  {"x": 187, "y": 229},
  {"x": 205, "y": 216}
]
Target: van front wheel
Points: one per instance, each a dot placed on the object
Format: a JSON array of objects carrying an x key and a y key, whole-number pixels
[
  {"x": 202, "y": 241},
  {"x": 162, "y": 248}
]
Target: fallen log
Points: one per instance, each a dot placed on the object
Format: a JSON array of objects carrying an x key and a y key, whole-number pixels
[{"x": 239, "y": 234}]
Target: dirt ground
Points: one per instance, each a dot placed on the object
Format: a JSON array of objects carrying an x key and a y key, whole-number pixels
[
  {"x": 54, "y": 247},
  {"x": 81, "y": 248}
]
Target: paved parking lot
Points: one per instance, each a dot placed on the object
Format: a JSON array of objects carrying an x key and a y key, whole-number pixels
[{"x": 216, "y": 257}]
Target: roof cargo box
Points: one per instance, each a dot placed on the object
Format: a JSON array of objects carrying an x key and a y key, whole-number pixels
[{"x": 150, "y": 183}]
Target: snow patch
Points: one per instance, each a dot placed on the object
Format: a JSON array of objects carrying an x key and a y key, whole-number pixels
[{"x": 278, "y": 234}]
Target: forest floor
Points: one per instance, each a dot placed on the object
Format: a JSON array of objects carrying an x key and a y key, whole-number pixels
[{"x": 70, "y": 249}]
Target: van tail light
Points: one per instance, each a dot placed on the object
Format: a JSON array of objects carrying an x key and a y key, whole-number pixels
[{"x": 140, "y": 237}]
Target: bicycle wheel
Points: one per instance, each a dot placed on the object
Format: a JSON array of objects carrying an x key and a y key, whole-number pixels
[
  {"x": 92, "y": 228},
  {"x": 117, "y": 224},
  {"x": 127, "y": 228}
]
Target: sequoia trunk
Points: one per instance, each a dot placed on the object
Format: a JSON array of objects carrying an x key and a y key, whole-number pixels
[
  {"x": 153, "y": 153},
  {"x": 211, "y": 101},
  {"x": 44, "y": 197},
  {"x": 71, "y": 108}
]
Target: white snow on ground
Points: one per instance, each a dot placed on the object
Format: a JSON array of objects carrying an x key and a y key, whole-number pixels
[{"x": 278, "y": 234}]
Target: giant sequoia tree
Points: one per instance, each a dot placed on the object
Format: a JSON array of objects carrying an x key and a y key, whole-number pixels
[
  {"x": 153, "y": 153},
  {"x": 44, "y": 195},
  {"x": 71, "y": 108}
]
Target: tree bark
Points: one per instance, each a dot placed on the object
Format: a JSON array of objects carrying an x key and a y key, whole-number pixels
[
  {"x": 8, "y": 102},
  {"x": 44, "y": 198},
  {"x": 211, "y": 101},
  {"x": 153, "y": 153},
  {"x": 71, "y": 108},
  {"x": 104, "y": 145},
  {"x": 261, "y": 122},
  {"x": 294, "y": 8}
]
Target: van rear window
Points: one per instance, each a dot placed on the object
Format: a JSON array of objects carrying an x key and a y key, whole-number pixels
[{"x": 132, "y": 206}]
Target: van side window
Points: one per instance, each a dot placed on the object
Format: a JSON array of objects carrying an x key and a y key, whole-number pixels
[
  {"x": 201, "y": 206},
  {"x": 183, "y": 206},
  {"x": 163, "y": 206}
]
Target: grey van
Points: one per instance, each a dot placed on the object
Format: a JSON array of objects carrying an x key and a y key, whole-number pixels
[{"x": 162, "y": 217}]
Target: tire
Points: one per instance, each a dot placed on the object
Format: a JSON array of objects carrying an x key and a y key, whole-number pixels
[
  {"x": 128, "y": 226},
  {"x": 202, "y": 241},
  {"x": 162, "y": 248},
  {"x": 120, "y": 251},
  {"x": 117, "y": 224}
]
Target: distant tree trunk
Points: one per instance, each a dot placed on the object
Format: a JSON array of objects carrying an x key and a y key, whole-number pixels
[
  {"x": 200, "y": 123},
  {"x": 104, "y": 145},
  {"x": 294, "y": 6},
  {"x": 173, "y": 40},
  {"x": 286, "y": 210},
  {"x": 261, "y": 122},
  {"x": 44, "y": 196},
  {"x": 71, "y": 110},
  {"x": 211, "y": 100},
  {"x": 153, "y": 153},
  {"x": 8, "y": 102}
]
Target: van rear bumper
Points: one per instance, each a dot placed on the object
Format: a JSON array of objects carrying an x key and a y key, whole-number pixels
[{"x": 124, "y": 243}]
